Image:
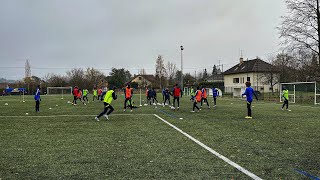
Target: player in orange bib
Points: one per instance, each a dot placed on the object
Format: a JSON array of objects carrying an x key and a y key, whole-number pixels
[
  {"x": 80, "y": 96},
  {"x": 198, "y": 98},
  {"x": 204, "y": 97},
  {"x": 128, "y": 95}
]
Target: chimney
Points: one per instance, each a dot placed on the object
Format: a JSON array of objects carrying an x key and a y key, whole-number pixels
[{"x": 241, "y": 60}]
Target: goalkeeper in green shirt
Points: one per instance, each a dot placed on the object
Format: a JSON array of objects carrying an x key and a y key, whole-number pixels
[{"x": 285, "y": 96}]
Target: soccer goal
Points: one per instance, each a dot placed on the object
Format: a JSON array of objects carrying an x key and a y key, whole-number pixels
[
  {"x": 302, "y": 92},
  {"x": 59, "y": 91}
]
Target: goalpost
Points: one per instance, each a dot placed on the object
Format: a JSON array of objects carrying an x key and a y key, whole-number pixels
[
  {"x": 302, "y": 92},
  {"x": 59, "y": 91}
]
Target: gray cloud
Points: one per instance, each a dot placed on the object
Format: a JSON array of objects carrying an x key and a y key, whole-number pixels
[{"x": 124, "y": 33}]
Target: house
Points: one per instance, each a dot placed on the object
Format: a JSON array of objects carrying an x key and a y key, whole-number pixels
[
  {"x": 144, "y": 80},
  {"x": 216, "y": 77},
  {"x": 255, "y": 71}
]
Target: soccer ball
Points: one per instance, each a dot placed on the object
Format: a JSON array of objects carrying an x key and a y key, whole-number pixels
[
  {"x": 6, "y": 104},
  {"x": 173, "y": 108}
]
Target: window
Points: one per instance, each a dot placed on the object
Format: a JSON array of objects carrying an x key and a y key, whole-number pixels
[
  {"x": 236, "y": 80},
  {"x": 248, "y": 79},
  {"x": 139, "y": 77}
]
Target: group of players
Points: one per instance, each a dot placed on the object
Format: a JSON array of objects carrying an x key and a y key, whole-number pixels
[
  {"x": 198, "y": 96},
  {"x": 82, "y": 95}
]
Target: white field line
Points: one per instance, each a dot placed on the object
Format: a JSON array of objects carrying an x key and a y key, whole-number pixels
[
  {"x": 85, "y": 115},
  {"x": 243, "y": 170}
]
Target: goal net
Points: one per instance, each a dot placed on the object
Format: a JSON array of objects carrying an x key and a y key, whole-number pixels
[
  {"x": 62, "y": 91},
  {"x": 302, "y": 92}
]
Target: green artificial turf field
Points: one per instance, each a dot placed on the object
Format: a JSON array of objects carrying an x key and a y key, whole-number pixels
[{"x": 66, "y": 142}]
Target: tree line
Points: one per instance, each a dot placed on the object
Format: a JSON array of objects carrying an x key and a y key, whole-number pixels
[{"x": 300, "y": 35}]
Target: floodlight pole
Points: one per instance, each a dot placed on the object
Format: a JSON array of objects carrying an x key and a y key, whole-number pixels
[{"x": 181, "y": 48}]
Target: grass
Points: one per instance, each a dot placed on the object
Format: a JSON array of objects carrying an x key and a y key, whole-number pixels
[{"x": 138, "y": 145}]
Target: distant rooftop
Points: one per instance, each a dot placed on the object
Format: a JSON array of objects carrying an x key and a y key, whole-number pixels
[{"x": 254, "y": 65}]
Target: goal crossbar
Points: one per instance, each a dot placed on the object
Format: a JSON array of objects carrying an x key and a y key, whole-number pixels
[{"x": 59, "y": 88}]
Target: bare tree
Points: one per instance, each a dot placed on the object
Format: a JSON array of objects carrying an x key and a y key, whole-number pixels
[
  {"x": 272, "y": 74},
  {"x": 55, "y": 80},
  {"x": 306, "y": 65},
  {"x": 76, "y": 77},
  {"x": 93, "y": 77},
  {"x": 160, "y": 69},
  {"x": 171, "y": 71},
  {"x": 200, "y": 76},
  {"x": 142, "y": 72},
  {"x": 300, "y": 28}
]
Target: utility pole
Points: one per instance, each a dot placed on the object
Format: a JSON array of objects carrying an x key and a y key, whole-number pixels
[{"x": 220, "y": 65}]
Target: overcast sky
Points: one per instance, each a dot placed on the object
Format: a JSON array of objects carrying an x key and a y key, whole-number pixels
[{"x": 63, "y": 34}]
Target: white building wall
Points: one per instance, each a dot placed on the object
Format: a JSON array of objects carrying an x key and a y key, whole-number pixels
[{"x": 257, "y": 83}]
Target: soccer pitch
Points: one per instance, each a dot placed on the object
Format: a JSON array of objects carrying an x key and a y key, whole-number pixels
[{"x": 155, "y": 143}]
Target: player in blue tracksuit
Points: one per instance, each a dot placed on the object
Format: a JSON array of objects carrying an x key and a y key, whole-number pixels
[
  {"x": 249, "y": 95},
  {"x": 163, "y": 93},
  {"x": 154, "y": 96},
  {"x": 149, "y": 96},
  {"x": 167, "y": 94},
  {"x": 215, "y": 94},
  {"x": 37, "y": 98}
]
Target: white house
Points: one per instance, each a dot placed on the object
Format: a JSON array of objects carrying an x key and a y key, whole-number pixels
[{"x": 255, "y": 71}]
